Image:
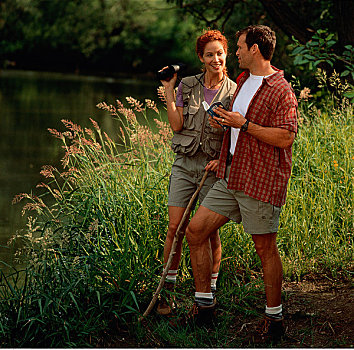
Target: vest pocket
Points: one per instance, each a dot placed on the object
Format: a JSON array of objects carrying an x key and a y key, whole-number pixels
[
  {"x": 184, "y": 144},
  {"x": 189, "y": 113},
  {"x": 213, "y": 146}
]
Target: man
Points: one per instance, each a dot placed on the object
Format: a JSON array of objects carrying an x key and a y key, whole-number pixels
[{"x": 254, "y": 169}]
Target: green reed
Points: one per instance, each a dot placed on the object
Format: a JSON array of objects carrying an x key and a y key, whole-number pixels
[
  {"x": 93, "y": 256},
  {"x": 317, "y": 227}
]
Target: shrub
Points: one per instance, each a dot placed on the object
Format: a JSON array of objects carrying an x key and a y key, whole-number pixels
[{"x": 92, "y": 250}]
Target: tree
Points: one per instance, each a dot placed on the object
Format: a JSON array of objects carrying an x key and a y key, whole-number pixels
[
  {"x": 296, "y": 18},
  {"x": 93, "y": 35}
]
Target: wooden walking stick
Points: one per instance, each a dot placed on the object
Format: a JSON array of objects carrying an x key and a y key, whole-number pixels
[{"x": 173, "y": 247}]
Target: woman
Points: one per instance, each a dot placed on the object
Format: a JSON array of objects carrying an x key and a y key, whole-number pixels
[{"x": 196, "y": 144}]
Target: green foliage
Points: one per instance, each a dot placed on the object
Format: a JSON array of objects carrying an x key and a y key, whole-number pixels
[
  {"x": 318, "y": 210},
  {"x": 92, "y": 259},
  {"x": 121, "y": 36},
  {"x": 110, "y": 35},
  {"x": 93, "y": 254},
  {"x": 321, "y": 50}
]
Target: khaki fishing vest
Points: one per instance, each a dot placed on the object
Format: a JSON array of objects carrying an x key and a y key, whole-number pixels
[{"x": 197, "y": 134}]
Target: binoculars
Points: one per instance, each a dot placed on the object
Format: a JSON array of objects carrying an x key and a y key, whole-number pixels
[{"x": 168, "y": 72}]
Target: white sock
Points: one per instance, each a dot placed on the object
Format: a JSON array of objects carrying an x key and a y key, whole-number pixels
[
  {"x": 274, "y": 312},
  {"x": 214, "y": 278},
  {"x": 203, "y": 299},
  {"x": 171, "y": 276}
]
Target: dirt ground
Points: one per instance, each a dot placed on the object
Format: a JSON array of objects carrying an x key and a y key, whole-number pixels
[{"x": 319, "y": 314}]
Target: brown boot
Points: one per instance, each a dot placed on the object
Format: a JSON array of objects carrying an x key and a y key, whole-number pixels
[
  {"x": 270, "y": 330},
  {"x": 166, "y": 304},
  {"x": 200, "y": 316}
]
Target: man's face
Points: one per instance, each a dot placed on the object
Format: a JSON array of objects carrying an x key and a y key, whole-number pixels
[{"x": 243, "y": 53}]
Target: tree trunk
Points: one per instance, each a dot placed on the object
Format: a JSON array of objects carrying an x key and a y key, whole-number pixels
[
  {"x": 289, "y": 21},
  {"x": 344, "y": 14}
]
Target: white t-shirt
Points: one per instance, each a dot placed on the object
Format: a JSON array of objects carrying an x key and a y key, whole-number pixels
[{"x": 243, "y": 99}]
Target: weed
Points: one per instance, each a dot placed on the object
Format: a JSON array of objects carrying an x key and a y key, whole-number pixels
[{"x": 92, "y": 249}]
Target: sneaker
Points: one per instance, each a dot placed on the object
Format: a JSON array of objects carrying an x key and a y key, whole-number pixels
[
  {"x": 270, "y": 329},
  {"x": 200, "y": 316},
  {"x": 166, "y": 305}
]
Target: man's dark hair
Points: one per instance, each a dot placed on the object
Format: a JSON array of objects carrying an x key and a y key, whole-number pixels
[{"x": 261, "y": 35}]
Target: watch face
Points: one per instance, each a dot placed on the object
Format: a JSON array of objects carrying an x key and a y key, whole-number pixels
[{"x": 244, "y": 127}]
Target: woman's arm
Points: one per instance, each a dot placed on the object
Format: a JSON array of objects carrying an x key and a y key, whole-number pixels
[{"x": 174, "y": 113}]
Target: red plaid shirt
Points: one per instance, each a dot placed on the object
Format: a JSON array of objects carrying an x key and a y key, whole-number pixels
[{"x": 258, "y": 169}]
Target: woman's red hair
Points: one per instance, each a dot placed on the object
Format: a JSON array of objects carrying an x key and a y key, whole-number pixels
[{"x": 207, "y": 37}]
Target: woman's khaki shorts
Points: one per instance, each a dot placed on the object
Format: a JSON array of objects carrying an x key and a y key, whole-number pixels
[
  {"x": 257, "y": 217},
  {"x": 186, "y": 174}
]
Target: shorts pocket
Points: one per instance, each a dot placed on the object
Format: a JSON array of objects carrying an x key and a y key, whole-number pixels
[{"x": 265, "y": 211}]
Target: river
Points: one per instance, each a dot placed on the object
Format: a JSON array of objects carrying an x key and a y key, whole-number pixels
[{"x": 32, "y": 102}]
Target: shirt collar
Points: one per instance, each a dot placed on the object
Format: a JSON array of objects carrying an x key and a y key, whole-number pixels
[{"x": 279, "y": 74}]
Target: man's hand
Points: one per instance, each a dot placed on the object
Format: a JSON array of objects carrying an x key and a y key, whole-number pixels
[
  {"x": 277, "y": 137},
  {"x": 213, "y": 123},
  {"x": 213, "y": 164},
  {"x": 233, "y": 119}
]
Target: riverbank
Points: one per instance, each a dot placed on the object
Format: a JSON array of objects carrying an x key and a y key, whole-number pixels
[
  {"x": 93, "y": 258},
  {"x": 318, "y": 314},
  {"x": 30, "y": 103}
]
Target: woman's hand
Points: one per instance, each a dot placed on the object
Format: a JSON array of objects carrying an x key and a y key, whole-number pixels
[
  {"x": 212, "y": 165},
  {"x": 174, "y": 114},
  {"x": 170, "y": 84}
]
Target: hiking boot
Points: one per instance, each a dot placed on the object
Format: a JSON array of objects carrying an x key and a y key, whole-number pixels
[
  {"x": 270, "y": 330},
  {"x": 167, "y": 304},
  {"x": 200, "y": 316}
]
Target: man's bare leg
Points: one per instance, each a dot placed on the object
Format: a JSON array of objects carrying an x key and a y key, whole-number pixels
[
  {"x": 198, "y": 234},
  {"x": 215, "y": 244},
  {"x": 267, "y": 250}
]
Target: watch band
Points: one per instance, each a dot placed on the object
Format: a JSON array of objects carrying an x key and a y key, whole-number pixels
[{"x": 244, "y": 127}]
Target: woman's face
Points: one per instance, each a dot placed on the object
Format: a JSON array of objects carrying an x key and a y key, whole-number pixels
[{"x": 214, "y": 57}]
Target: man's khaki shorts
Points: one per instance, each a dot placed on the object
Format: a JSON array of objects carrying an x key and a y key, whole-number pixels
[
  {"x": 257, "y": 217},
  {"x": 186, "y": 175}
]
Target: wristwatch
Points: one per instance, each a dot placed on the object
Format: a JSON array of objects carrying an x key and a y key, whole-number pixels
[{"x": 244, "y": 127}]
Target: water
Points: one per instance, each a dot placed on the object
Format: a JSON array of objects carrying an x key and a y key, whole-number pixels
[{"x": 32, "y": 102}]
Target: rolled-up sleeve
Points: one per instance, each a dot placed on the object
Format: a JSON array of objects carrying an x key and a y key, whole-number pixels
[
  {"x": 285, "y": 116},
  {"x": 179, "y": 96}
]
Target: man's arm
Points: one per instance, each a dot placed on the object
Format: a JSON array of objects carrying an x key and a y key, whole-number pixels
[{"x": 277, "y": 137}]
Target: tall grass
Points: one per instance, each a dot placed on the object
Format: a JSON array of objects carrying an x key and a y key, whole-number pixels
[
  {"x": 317, "y": 222},
  {"x": 93, "y": 257}
]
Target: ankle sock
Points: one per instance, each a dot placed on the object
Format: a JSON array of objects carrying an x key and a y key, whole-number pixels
[
  {"x": 275, "y": 312},
  {"x": 171, "y": 276},
  {"x": 213, "y": 291},
  {"x": 204, "y": 299},
  {"x": 214, "y": 277}
]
